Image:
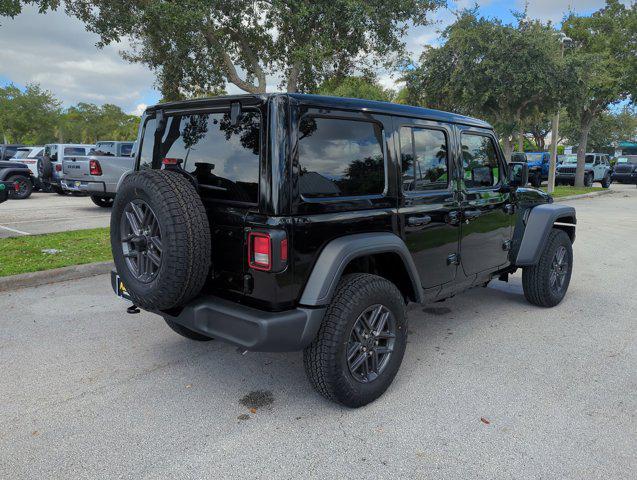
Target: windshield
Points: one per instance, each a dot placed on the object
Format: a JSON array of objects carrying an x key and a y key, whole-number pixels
[
  {"x": 534, "y": 157},
  {"x": 573, "y": 158},
  {"x": 630, "y": 159}
]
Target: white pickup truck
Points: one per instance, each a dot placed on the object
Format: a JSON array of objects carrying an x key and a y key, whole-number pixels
[{"x": 98, "y": 173}]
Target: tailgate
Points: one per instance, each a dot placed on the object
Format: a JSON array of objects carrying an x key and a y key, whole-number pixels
[{"x": 76, "y": 167}]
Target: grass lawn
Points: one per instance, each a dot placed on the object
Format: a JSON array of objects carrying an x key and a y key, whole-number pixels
[
  {"x": 565, "y": 190},
  {"x": 24, "y": 254}
]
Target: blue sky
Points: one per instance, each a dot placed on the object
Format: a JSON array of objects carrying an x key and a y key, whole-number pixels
[{"x": 55, "y": 51}]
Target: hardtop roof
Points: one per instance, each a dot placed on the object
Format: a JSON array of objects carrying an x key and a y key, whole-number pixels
[{"x": 345, "y": 103}]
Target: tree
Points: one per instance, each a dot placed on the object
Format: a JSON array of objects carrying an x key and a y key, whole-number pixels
[
  {"x": 487, "y": 69},
  {"x": 28, "y": 116},
  {"x": 366, "y": 87},
  {"x": 604, "y": 64},
  {"x": 89, "y": 123},
  {"x": 203, "y": 44},
  {"x": 608, "y": 129}
]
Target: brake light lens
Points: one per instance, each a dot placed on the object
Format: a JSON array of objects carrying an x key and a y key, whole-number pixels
[
  {"x": 58, "y": 168},
  {"x": 171, "y": 161},
  {"x": 259, "y": 251},
  {"x": 95, "y": 167}
]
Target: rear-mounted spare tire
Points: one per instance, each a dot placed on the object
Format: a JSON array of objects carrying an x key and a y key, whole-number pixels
[{"x": 160, "y": 239}]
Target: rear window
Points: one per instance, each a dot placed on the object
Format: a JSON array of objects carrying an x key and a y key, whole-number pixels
[
  {"x": 74, "y": 151},
  {"x": 22, "y": 153},
  {"x": 224, "y": 158},
  {"x": 9, "y": 152},
  {"x": 126, "y": 149},
  {"x": 340, "y": 158},
  {"x": 105, "y": 148},
  {"x": 627, "y": 159}
]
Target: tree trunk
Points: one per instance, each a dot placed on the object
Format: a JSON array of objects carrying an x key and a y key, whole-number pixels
[
  {"x": 585, "y": 126},
  {"x": 507, "y": 147},
  {"x": 521, "y": 142}
]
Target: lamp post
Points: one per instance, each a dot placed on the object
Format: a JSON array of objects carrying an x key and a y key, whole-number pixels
[{"x": 555, "y": 125}]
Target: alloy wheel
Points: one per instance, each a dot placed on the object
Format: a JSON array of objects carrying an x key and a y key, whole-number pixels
[{"x": 141, "y": 241}]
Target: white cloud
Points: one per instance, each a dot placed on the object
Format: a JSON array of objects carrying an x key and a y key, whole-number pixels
[
  {"x": 54, "y": 50},
  {"x": 139, "y": 109}
]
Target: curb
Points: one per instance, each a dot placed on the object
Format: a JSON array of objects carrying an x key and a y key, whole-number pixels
[
  {"x": 584, "y": 195},
  {"x": 34, "y": 279}
]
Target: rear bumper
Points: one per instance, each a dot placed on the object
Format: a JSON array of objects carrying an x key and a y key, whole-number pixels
[
  {"x": 247, "y": 327},
  {"x": 624, "y": 177},
  {"x": 82, "y": 186}
]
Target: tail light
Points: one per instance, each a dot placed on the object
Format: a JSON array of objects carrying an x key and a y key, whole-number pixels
[
  {"x": 58, "y": 167},
  {"x": 267, "y": 251},
  {"x": 95, "y": 168}
]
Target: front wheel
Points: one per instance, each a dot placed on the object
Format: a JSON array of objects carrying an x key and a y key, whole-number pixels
[
  {"x": 24, "y": 187},
  {"x": 588, "y": 180},
  {"x": 546, "y": 283},
  {"x": 361, "y": 342},
  {"x": 536, "y": 181},
  {"x": 104, "y": 202}
]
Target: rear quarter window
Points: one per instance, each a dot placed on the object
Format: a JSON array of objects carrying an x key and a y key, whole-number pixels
[{"x": 340, "y": 158}]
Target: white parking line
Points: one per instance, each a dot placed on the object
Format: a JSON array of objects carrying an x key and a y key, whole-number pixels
[{"x": 14, "y": 230}]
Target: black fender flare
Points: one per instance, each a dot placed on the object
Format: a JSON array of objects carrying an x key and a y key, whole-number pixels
[
  {"x": 538, "y": 224},
  {"x": 8, "y": 172},
  {"x": 339, "y": 252}
]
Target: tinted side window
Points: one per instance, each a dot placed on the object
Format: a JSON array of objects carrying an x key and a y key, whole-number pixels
[
  {"x": 340, "y": 158},
  {"x": 223, "y": 157},
  {"x": 480, "y": 162},
  {"x": 423, "y": 154},
  {"x": 146, "y": 152},
  {"x": 126, "y": 149}
]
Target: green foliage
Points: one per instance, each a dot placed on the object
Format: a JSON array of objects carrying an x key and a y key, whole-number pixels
[
  {"x": 603, "y": 62},
  {"x": 503, "y": 73},
  {"x": 606, "y": 130},
  {"x": 28, "y": 116},
  {"x": 202, "y": 44},
  {"x": 356, "y": 87},
  {"x": 34, "y": 116}
]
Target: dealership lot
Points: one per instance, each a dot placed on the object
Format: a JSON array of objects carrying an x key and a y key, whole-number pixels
[
  {"x": 47, "y": 213},
  {"x": 491, "y": 387}
]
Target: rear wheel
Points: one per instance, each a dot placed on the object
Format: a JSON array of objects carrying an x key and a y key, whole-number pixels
[
  {"x": 546, "y": 283},
  {"x": 104, "y": 202},
  {"x": 361, "y": 342},
  {"x": 588, "y": 180},
  {"x": 23, "y": 189},
  {"x": 160, "y": 238},
  {"x": 186, "y": 332},
  {"x": 606, "y": 181},
  {"x": 536, "y": 181}
]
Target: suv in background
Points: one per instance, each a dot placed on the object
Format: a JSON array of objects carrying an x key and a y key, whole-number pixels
[
  {"x": 596, "y": 169},
  {"x": 282, "y": 222},
  {"x": 50, "y": 165},
  {"x": 625, "y": 170},
  {"x": 29, "y": 156},
  {"x": 538, "y": 167},
  {"x": 98, "y": 173}
]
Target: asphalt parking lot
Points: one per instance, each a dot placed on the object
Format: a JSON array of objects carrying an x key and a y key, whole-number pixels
[
  {"x": 48, "y": 212},
  {"x": 491, "y": 387}
]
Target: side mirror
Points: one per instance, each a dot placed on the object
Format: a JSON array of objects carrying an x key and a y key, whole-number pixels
[
  {"x": 518, "y": 174},
  {"x": 518, "y": 157}
]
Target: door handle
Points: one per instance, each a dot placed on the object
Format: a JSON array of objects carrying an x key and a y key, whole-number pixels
[{"x": 418, "y": 221}]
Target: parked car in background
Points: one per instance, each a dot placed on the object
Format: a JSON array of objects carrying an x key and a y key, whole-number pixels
[
  {"x": 625, "y": 170},
  {"x": 538, "y": 167},
  {"x": 596, "y": 169},
  {"x": 29, "y": 156},
  {"x": 50, "y": 165},
  {"x": 18, "y": 175},
  {"x": 7, "y": 150},
  {"x": 98, "y": 173}
]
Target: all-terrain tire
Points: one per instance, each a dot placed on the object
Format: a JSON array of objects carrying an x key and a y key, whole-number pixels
[
  {"x": 325, "y": 358},
  {"x": 606, "y": 181},
  {"x": 45, "y": 169},
  {"x": 536, "y": 181},
  {"x": 186, "y": 332},
  {"x": 104, "y": 202},
  {"x": 185, "y": 238},
  {"x": 536, "y": 279},
  {"x": 588, "y": 180},
  {"x": 25, "y": 187}
]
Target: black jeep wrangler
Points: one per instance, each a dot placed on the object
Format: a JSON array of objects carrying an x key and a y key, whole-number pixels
[{"x": 297, "y": 222}]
